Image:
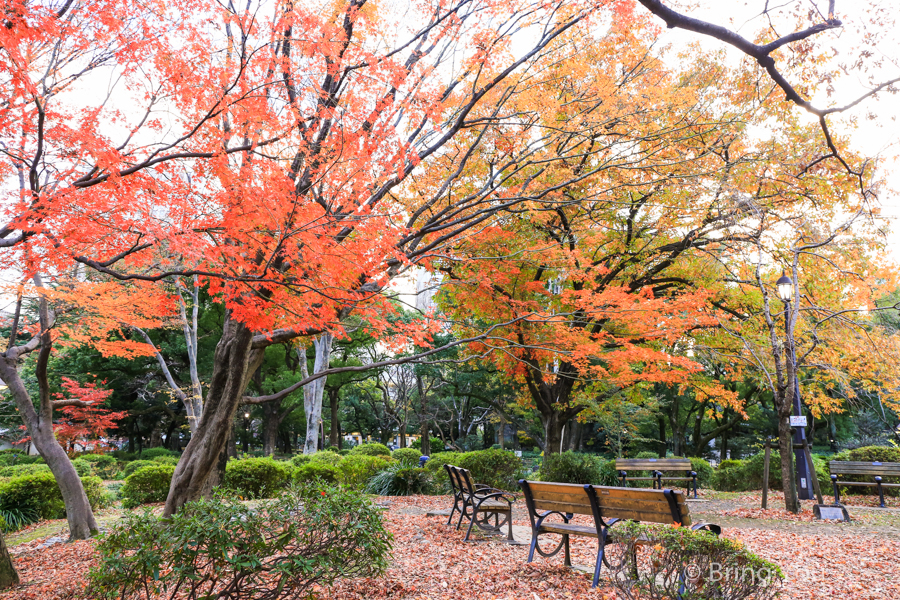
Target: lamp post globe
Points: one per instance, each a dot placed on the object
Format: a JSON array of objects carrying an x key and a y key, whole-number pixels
[{"x": 785, "y": 287}]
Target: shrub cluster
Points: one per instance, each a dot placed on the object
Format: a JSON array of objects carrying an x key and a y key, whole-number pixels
[
  {"x": 356, "y": 470},
  {"x": 371, "y": 450},
  {"x": 134, "y": 465},
  {"x": 146, "y": 485},
  {"x": 38, "y": 495},
  {"x": 315, "y": 471},
  {"x": 571, "y": 467},
  {"x": 746, "y": 475},
  {"x": 257, "y": 477},
  {"x": 151, "y": 453},
  {"x": 216, "y": 549},
  {"x": 408, "y": 456},
  {"x": 677, "y": 562}
]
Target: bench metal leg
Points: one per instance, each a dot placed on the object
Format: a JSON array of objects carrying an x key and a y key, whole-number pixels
[
  {"x": 622, "y": 476},
  {"x": 567, "y": 557},
  {"x": 837, "y": 494},
  {"x": 880, "y": 491},
  {"x": 534, "y": 537},
  {"x": 601, "y": 547},
  {"x": 694, "y": 476}
]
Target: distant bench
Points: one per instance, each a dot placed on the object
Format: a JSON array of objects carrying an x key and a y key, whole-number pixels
[
  {"x": 607, "y": 506},
  {"x": 477, "y": 503},
  {"x": 878, "y": 470},
  {"x": 656, "y": 466}
]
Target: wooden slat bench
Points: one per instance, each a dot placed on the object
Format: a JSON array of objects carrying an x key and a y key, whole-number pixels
[
  {"x": 656, "y": 466},
  {"x": 877, "y": 470},
  {"x": 607, "y": 506},
  {"x": 477, "y": 503}
]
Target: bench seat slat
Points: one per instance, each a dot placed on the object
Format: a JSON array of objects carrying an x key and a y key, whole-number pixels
[{"x": 569, "y": 528}]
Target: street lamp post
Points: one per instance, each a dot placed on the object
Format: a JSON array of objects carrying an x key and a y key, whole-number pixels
[{"x": 785, "y": 288}]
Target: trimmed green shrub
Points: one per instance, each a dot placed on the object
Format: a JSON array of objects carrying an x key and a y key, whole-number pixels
[
  {"x": 870, "y": 454},
  {"x": 135, "y": 465},
  {"x": 729, "y": 476},
  {"x": 151, "y": 453},
  {"x": 19, "y": 470},
  {"x": 398, "y": 479},
  {"x": 356, "y": 470},
  {"x": 256, "y": 477},
  {"x": 497, "y": 468},
  {"x": 165, "y": 460},
  {"x": 371, "y": 450},
  {"x": 327, "y": 458},
  {"x": 717, "y": 567},
  {"x": 409, "y": 456},
  {"x": 334, "y": 449},
  {"x": 437, "y": 444},
  {"x": 300, "y": 459},
  {"x": 146, "y": 485},
  {"x": 608, "y": 473},
  {"x": 864, "y": 454},
  {"x": 435, "y": 466},
  {"x": 344, "y": 451},
  {"x": 124, "y": 455},
  {"x": 316, "y": 471},
  {"x": 105, "y": 465},
  {"x": 571, "y": 467},
  {"x": 39, "y": 494},
  {"x": 83, "y": 468},
  {"x": 215, "y": 548}
]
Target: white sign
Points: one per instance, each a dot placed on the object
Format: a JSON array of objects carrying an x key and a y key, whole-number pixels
[
  {"x": 519, "y": 453},
  {"x": 798, "y": 421},
  {"x": 831, "y": 512}
]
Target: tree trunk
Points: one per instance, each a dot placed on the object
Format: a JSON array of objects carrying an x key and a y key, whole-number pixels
[
  {"x": 334, "y": 434},
  {"x": 231, "y": 368},
  {"x": 313, "y": 391},
  {"x": 661, "y": 422},
  {"x": 272, "y": 418},
  {"x": 785, "y": 449},
  {"x": 39, "y": 424},
  {"x": 8, "y": 575}
]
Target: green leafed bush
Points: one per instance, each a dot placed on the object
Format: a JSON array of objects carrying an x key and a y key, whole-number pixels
[
  {"x": 882, "y": 454},
  {"x": 316, "y": 471},
  {"x": 256, "y": 477},
  {"x": 437, "y": 444},
  {"x": 216, "y": 548},
  {"x": 571, "y": 467},
  {"x": 409, "y": 456},
  {"x": 83, "y": 468},
  {"x": 729, "y": 476},
  {"x": 356, "y": 470},
  {"x": 328, "y": 458},
  {"x": 398, "y": 479},
  {"x": 151, "y": 453},
  {"x": 165, "y": 460},
  {"x": 39, "y": 494},
  {"x": 371, "y": 450},
  {"x": 678, "y": 562},
  {"x": 134, "y": 465},
  {"x": 19, "y": 470},
  {"x": 147, "y": 485},
  {"x": 435, "y": 466},
  {"x": 300, "y": 459},
  {"x": 497, "y": 468}
]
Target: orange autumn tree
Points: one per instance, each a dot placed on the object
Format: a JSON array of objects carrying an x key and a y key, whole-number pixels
[
  {"x": 84, "y": 425},
  {"x": 261, "y": 154}
]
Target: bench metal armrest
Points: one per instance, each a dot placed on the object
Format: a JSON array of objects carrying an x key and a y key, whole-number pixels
[{"x": 499, "y": 494}]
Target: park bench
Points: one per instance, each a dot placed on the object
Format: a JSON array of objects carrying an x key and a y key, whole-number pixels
[
  {"x": 656, "y": 466},
  {"x": 606, "y": 505},
  {"x": 478, "y": 503},
  {"x": 878, "y": 470}
]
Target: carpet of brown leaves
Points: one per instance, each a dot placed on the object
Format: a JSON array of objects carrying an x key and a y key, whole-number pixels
[{"x": 430, "y": 561}]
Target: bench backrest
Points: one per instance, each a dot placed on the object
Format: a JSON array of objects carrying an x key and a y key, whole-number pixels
[
  {"x": 461, "y": 479},
  {"x": 840, "y": 467},
  {"x": 653, "y": 464},
  {"x": 649, "y": 506}
]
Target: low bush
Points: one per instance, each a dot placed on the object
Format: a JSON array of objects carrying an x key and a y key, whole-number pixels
[
  {"x": 19, "y": 470},
  {"x": 677, "y": 562},
  {"x": 497, "y": 468},
  {"x": 256, "y": 477},
  {"x": 83, "y": 468},
  {"x": 408, "y": 456},
  {"x": 435, "y": 467},
  {"x": 356, "y": 470},
  {"x": 300, "y": 459},
  {"x": 151, "y": 453},
  {"x": 398, "y": 479},
  {"x": 38, "y": 494},
  {"x": 316, "y": 471},
  {"x": 327, "y": 458},
  {"x": 165, "y": 460},
  {"x": 608, "y": 473},
  {"x": 371, "y": 450},
  {"x": 124, "y": 455},
  {"x": 437, "y": 444},
  {"x": 729, "y": 476},
  {"x": 134, "y": 465},
  {"x": 217, "y": 549},
  {"x": 571, "y": 467},
  {"x": 146, "y": 485},
  {"x": 105, "y": 465},
  {"x": 865, "y": 454},
  {"x": 334, "y": 449}
]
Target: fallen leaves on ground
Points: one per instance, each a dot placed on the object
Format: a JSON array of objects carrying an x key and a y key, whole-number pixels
[
  {"x": 431, "y": 562},
  {"x": 779, "y": 514}
]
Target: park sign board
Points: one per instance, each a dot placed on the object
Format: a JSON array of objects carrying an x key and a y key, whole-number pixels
[
  {"x": 836, "y": 512},
  {"x": 798, "y": 421}
]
